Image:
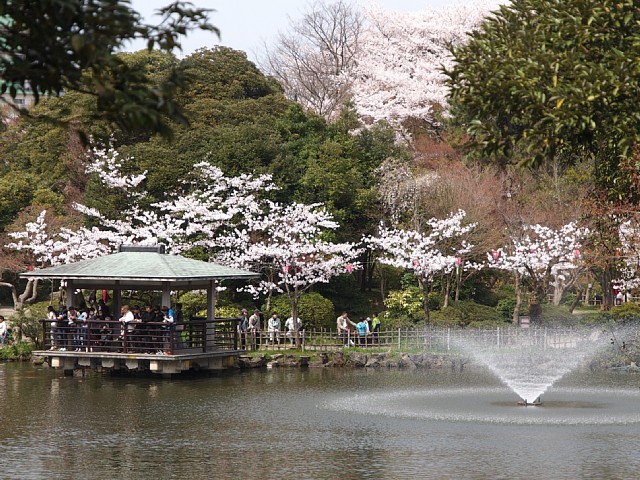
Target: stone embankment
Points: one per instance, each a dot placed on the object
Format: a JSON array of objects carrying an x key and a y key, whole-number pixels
[{"x": 356, "y": 360}]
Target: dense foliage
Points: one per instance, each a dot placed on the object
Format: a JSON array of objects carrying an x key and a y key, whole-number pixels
[{"x": 52, "y": 47}]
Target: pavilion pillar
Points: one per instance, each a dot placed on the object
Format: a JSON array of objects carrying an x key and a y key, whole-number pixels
[
  {"x": 69, "y": 293},
  {"x": 166, "y": 294},
  {"x": 117, "y": 301},
  {"x": 211, "y": 313}
]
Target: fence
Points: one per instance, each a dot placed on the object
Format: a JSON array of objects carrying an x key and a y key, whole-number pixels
[
  {"x": 432, "y": 339},
  {"x": 196, "y": 335}
]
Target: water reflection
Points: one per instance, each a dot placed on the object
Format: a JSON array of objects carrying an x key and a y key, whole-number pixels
[{"x": 328, "y": 423}]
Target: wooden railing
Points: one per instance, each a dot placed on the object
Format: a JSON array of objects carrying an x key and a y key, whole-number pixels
[{"x": 196, "y": 335}]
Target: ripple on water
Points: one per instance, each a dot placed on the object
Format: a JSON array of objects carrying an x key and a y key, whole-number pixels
[{"x": 495, "y": 406}]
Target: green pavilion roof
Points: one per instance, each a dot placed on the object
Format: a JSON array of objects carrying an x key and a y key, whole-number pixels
[{"x": 138, "y": 269}]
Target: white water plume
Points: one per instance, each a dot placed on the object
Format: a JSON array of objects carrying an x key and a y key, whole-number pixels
[{"x": 531, "y": 361}]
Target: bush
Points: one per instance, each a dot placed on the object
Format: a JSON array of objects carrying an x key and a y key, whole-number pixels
[
  {"x": 29, "y": 321},
  {"x": 194, "y": 304},
  {"x": 391, "y": 320},
  {"x": 405, "y": 303},
  {"x": 314, "y": 310},
  {"x": 435, "y": 301},
  {"x": 462, "y": 314},
  {"x": 626, "y": 312},
  {"x": 16, "y": 351},
  {"x": 228, "y": 311},
  {"x": 505, "y": 308},
  {"x": 558, "y": 316}
]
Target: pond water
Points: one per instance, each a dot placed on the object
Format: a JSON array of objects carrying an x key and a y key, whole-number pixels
[{"x": 316, "y": 423}]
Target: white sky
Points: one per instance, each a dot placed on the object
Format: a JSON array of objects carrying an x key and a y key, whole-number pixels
[{"x": 247, "y": 24}]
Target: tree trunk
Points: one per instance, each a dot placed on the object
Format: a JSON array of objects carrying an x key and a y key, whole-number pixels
[
  {"x": 576, "y": 301},
  {"x": 447, "y": 291},
  {"x": 516, "y": 311},
  {"x": 425, "y": 287},
  {"x": 294, "y": 314},
  {"x": 383, "y": 286},
  {"x": 29, "y": 295},
  {"x": 558, "y": 289},
  {"x": 458, "y": 283},
  {"x": 535, "y": 306},
  {"x": 14, "y": 293},
  {"x": 607, "y": 291}
]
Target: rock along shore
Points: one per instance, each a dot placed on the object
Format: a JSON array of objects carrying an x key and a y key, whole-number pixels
[{"x": 356, "y": 360}]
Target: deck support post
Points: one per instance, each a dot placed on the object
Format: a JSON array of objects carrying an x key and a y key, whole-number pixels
[{"x": 211, "y": 314}]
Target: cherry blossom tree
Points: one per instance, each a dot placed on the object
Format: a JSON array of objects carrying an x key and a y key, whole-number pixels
[
  {"x": 401, "y": 55},
  {"x": 629, "y": 256},
  {"x": 203, "y": 213},
  {"x": 291, "y": 250},
  {"x": 225, "y": 216},
  {"x": 426, "y": 254},
  {"x": 542, "y": 257}
]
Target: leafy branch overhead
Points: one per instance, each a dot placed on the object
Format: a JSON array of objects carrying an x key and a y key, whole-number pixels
[
  {"x": 546, "y": 77},
  {"x": 54, "y": 46}
]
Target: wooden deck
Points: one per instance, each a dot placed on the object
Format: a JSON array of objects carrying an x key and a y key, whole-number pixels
[
  {"x": 179, "y": 361},
  {"x": 199, "y": 344}
]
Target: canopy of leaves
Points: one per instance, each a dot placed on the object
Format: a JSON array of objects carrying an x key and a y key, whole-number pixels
[
  {"x": 240, "y": 121},
  {"x": 51, "y": 46},
  {"x": 544, "y": 76}
]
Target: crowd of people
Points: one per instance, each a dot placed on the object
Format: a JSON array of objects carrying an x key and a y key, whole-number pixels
[
  {"x": 89, "y": 328},
  {"x": 365, "y": 332}
]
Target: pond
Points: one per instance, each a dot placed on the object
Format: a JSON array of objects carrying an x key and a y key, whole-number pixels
[{"x": 316, "y": 423}]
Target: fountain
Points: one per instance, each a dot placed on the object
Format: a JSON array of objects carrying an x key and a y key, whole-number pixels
[{"x": 530, "y": 361}]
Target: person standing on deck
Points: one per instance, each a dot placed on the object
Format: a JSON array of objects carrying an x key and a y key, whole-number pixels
[
  {"x": 53, "y": 323},
  {"x": 168, "y": 319},
  {"x": 63, "y": 328}
]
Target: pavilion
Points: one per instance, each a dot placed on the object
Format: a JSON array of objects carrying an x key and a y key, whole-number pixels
[{"x": 147, "y": 268}]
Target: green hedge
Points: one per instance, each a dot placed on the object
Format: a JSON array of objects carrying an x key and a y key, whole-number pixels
[
  {"x": 314, "y": 310},
  {"x": 466, "y": 313}
]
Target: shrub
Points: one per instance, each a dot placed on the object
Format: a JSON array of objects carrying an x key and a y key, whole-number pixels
[
  {"x": 463, "y": 313},
  {"x": 435, "y": 301},
  {"x": 194, "y": 304},
  {"x": 314, "y": 310},
  {"x": 16, "y": 351},
  {"x": 29, "y": 321},
  {"x": 558, "y": 316},
  {"x": 406, "y": 302},
  {"x": 391, "y": 320},
  {"x": 505, "y": 308},
  {"x": 626, "y": 312},
  {"x": 228, "y": 311}
]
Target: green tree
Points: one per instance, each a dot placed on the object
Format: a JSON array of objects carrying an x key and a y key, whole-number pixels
[
  {"x": 545, "y": 79},
  {"x": 50, "y": 47}
]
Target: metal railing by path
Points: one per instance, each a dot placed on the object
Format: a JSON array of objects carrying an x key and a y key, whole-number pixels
[
  {"x": 432, "y": 339},
  {"x": 195, "y": 335}
]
